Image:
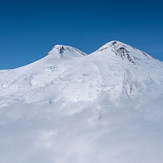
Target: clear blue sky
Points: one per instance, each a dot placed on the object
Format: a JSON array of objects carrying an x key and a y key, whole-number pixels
[{"x": 30, "y": 28}]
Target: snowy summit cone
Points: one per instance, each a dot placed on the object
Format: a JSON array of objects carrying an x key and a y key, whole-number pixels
[
  {"x": 124, "y": 52},
  {"x": 66, "y": 52}
]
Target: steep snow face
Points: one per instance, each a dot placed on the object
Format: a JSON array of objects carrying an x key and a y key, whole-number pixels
[
  {"x": 140, "y": 73},
  {"x": 29, "y": 82},
  {"x": 70, "y": 107}
]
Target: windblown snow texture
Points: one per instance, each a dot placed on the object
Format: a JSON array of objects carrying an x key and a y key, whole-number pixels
[{"x": 70, "y": 107}]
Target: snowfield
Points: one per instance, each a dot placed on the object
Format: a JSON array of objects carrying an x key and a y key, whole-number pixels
[{"x": 70, "y": 107}]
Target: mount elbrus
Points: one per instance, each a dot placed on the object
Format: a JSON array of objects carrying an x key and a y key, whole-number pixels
[
  {"x": 71, "y": 107},
  {"x": 115, "y": 70}
]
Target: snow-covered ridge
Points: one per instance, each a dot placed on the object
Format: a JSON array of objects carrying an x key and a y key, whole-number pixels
[{"x": 112, "y": 48}]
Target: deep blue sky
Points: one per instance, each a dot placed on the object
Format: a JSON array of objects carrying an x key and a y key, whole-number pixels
[{"x": 30, "y": 28}]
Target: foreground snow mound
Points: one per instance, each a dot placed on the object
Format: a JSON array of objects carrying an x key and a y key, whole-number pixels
[{"x": 70, "y": 107}]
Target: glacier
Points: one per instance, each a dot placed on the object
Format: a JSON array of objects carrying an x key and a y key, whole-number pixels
[{"x": 71, "y": 107}]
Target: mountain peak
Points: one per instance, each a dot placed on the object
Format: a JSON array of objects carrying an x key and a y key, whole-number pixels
[
  {"x": 60, "y": 48},
  {"x": 63, "y": 51},
  {"x": 112, "y": 44},
  {"x": 124, "y": 51}
]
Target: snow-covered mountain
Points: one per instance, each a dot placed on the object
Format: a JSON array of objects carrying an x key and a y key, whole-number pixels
[
  {"x": 70, "y": 107},
  {"x": 116, "y": 70}
]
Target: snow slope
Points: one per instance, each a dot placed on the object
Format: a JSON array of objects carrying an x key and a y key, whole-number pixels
[{"x": 70, "y": 107}]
